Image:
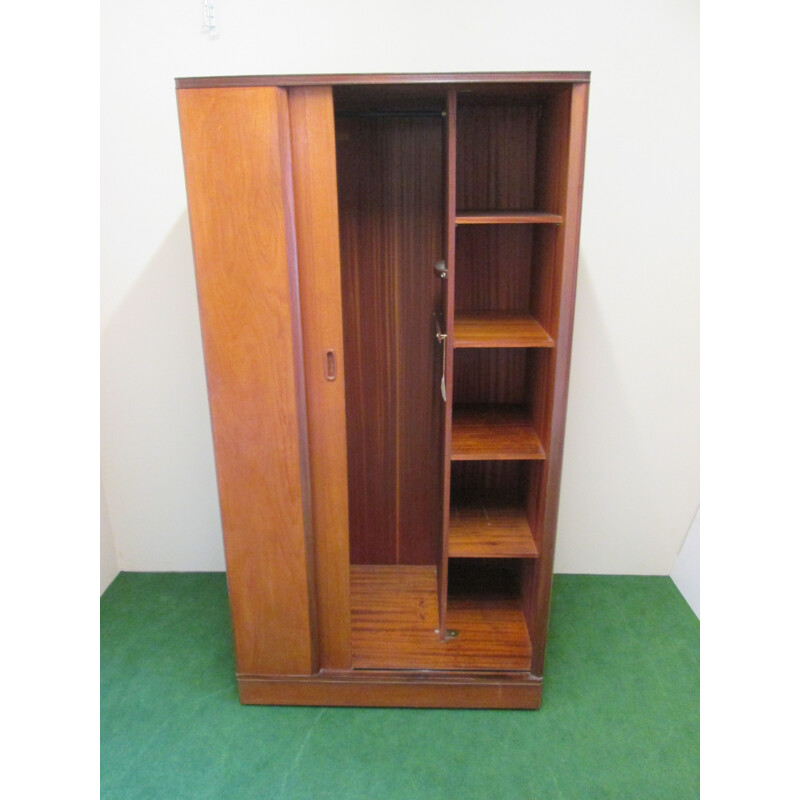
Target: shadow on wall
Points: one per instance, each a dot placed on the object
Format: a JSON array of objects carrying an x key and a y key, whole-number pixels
[
  {"x": 156, "y": 450},
  {"x": 609, "y": 481}
]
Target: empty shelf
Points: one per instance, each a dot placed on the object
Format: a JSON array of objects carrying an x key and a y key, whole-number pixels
[
  {"x": 507, "y": 218},
  {"x": 493, "y": 433},
  {"x": 489, "y": 532},
  {"x": 499, "y": 329}
]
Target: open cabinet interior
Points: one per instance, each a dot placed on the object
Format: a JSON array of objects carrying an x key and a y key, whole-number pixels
[
  {"x": 386, "y": 277},
  {"x": 391, "y": 229},
  {"x": 447, "y": 574}
]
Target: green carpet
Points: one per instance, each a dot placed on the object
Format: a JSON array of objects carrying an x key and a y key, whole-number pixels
[{"x": 620, "y": 716}]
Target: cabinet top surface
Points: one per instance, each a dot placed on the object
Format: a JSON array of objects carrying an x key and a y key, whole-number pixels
[{"x": 456, "y": 78}]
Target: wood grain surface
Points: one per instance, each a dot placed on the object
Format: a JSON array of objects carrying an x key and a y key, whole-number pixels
[
  {"x": 398, "y": 688},
  {"x": 496, "y": 162},
  {"x": 520, "y": 217},
  {"x": 499, "y": 329},
  {"x": 493, "y": 483},
  {"x": 317, "y": 230},
  {"x": 423, "y": 511},
  {"x": 449, "y": 316},
  {"x": 494, "y": 268},
  {"x": 395, "y": 621},
  {"x": 487, "y": 375},
  {"x": 570, "y": 140},
  {"x": 484, "y": 531},
  {"x": 238, "y": 181},
  {"x": 390, "y": 206},
  {"x": 494, "y": 433}
]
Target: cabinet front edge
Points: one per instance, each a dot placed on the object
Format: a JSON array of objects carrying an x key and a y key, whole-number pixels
[{"x": 380, "y": 78}]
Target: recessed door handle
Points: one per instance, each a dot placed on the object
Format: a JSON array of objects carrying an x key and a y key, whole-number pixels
[{"x": 330, "y": 366}]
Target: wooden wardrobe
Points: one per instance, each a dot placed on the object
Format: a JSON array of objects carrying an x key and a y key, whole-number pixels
[{"x": 386, "y": 279}]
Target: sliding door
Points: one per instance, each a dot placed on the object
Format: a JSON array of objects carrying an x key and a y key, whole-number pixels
[{"x": 237, "y": 159}]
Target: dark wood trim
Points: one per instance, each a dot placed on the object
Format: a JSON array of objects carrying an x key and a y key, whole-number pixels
[
  {"x": 450, "y": 262},
  {"x": 381, "y": 78},
  {"x": 388, "y": 689},
  {"x": 571, "y": 231}
]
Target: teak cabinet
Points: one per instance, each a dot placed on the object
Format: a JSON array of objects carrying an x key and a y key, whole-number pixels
[{"x": 386, "y": 278}]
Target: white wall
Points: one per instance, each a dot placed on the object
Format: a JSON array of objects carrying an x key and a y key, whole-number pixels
[
  {"x": 630, "y": 485},
  {"x": 686, "y": 570},
  {"x": 109, "y": 567}
]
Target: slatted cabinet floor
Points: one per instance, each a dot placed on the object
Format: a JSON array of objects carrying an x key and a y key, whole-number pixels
[{"x": 394, "y": 617}]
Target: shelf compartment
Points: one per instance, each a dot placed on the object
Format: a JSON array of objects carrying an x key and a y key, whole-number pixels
[
  {"x": 493, "y": 432},
  {"x": 522, "y": 217},
  {"x": 499, "y": 329},
  {"x": 507, "y": 268},
  {"x": 394, "y": 619},
  {"x": 482, "y": 531}
]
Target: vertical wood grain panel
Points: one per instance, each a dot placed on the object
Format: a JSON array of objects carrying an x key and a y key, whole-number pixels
[
  {"x": 494, "y": 267},
  {"x": 496, "y": 163},
  {"x": 369, "y": 329},
  {"x": 450, "y": 261},
  {"x": 490, "y": 375},
  {"x": 548, "y": 273},
  {"x": 494, "y": 483},
  {"x": 565, "y": 155},
  {"x": 390, "y": 211},
  {"x": 237, "y": 165},
  {"x": 419, "y": 157},
  {"x": 317, "y": 226}
]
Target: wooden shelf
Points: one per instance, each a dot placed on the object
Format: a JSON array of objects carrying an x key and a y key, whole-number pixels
[
  {"x": 499, "y": 329},
  {"x": 395, "y": 617},
  {"x": 507, "y": 218},
  {"x": 493, "y": 433},
  {"x": 489, "y": 532}
]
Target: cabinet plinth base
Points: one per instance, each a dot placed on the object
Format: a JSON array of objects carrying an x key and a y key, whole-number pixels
[{"x": 399, "y": 689}]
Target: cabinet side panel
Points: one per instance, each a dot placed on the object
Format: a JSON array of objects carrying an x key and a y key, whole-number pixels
[
  {"x": 235, "y": 150},
  {"x": 317, "y": 226},
  {"x": 566, "y": 192}
]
